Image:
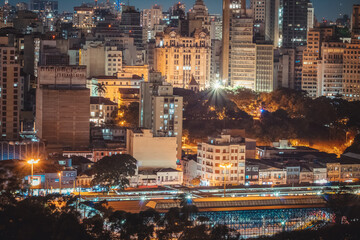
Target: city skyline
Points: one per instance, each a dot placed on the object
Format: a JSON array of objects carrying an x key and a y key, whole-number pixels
[{"x": 329, "y": 9}]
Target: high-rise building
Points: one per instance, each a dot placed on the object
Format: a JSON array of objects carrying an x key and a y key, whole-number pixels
[
  {"x": 330, "y": 69},
  {"x": 215, "y": 65},
  {"x": 311, "y": 17},
  {"x": 83, "y": 18},
  {"x": 100, "y": 59},
  {"x": 150, "y": 18},
  {"x": 179, "y": 57},
  {"x": 264, "y": 68},
  {"x": 293, "y": 20},
  {"x": 63, "y": 107},
  {"x": 198, "y": 17},
  {"x": 244, "y": 62},
  {"x": 176, "y": 14},
  {"x": 222, "y": 159},
  {"x": 351, "y": 79},
  {"x": 290, "y": 68},
  {"x": 160, "y": 110},
  {"x": 355, "y": 23},
  {"x": 215, "y": 27},
  {"x": 130, "y": 25},
  {"x": 43, "y": 5},
  {"x": 311, "y": 56},
  {"x": 259, "y": 9},
  {"x": 273, "y": 21},
  {"x": 231, "y": 9},
  {"x": 10, "y": 91}
]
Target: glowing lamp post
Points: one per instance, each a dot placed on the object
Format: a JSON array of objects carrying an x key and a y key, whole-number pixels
[
  {"x": 59, "y": 182},
  {"x": 32, "y": 162},
  {"x": 225, "y": 167}
]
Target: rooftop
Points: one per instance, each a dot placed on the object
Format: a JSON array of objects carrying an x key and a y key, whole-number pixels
[{"x": 101, "y": 100}]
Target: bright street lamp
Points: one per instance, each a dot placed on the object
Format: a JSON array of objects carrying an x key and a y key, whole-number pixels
[
  {"x": 225, "y": 166},
  {"x": 59, "y": 182},
  {"x": 32, "y": 162}
]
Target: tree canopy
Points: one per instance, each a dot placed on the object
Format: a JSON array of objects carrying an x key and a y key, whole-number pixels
[{"x": 114, "y": 171}]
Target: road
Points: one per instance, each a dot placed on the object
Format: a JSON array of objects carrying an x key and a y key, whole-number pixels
[{"x": 174, "y": 192}]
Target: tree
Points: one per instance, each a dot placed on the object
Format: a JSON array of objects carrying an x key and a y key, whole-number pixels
[
  {"x": 344, "y": 205},
  {"x": 50, "y": 217},
  {"x": 355, "y": 146},
  {"x": 129, "y": 115},
  {"x": 114, "y": 171},
  {"x": 100, "y": 88},
  {"x": 134, "y": 225},
  {"x": 223, "y": 232},
  {"x": 196, "y": 181}
]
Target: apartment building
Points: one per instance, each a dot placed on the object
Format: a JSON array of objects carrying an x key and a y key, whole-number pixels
[
  {"x": 10, "y": 91},
  {"x": 83, "y": 18},
  {"x": 161, "y": 110},
  {"x": 330, "y": 69},
  {"x": 102, "y": 110},
  {"x": 311, "y": 56},
  {"x": 221, "y": 160},
  {"x": 351, "y": 79}
]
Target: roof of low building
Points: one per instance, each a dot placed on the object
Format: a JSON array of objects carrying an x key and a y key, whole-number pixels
[
  {"x": 102, "y": 100},
  {"x": 167, "y": 170}
]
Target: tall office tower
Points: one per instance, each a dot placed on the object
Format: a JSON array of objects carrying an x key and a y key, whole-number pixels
[
  {"x": 44, "y": 5},
  {"x": 160, "y": 110},
  {"x": 311, "y": 17},
  {"x": 47, "y": 11},
  {"x": 130, "y": 25},
  {"x": 330, "y": 69},
  {"x": 83, "y": 18},
  {"x": 215, "y": 27},
  {"x": 239, "y": 51},
  {"x": 63, "y": 107},
  {"x": 293, "y": 20},
  {"x": 231, "y": 8},
  {"x": 10, "y": 92},
  {"x": 351, "y": 75},
  {"x": 355, "y": 23},
  {"x": 198, "y": 17},
  {"x": 311, "y": 56},
  {"x": 150, "y": 18},
  {"x": 272, "y": 21},
  {"x": 100, "y": 60},
  {"x": 264, "y": 68},
  {"x": 215, "y": 64},
  {"x": 290, "y": 68},
  {"x": 259, "y": 8},
  {"x": 179, "y": 57},
  {"x": 299, "y": 59},
  {"x": 177, "y": 14}
]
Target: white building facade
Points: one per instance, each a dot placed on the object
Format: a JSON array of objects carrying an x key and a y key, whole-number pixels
[{"x": 222, "y": 151}]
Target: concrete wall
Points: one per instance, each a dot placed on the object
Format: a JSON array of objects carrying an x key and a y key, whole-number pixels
[
  {"x": 62, "y": 117},
  {"x": 152, "y": 152}
]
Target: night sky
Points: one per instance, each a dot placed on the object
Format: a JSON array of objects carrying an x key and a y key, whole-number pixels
[{"x": 330, "y": 9}]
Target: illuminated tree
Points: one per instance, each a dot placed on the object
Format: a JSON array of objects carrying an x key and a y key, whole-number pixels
[{"x": 114, "y": 171}]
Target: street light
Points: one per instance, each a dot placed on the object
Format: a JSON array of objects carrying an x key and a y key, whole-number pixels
[
  {"x": 225, "y": 166},
  {"x": 59, "y": 182},
  {"x": 32, "y": 162}
]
